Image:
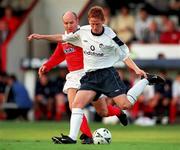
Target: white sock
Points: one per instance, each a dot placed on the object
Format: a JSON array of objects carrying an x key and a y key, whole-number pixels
[
  {"x": 75, "y": 122},
  {"x": 136, "y": 90}
]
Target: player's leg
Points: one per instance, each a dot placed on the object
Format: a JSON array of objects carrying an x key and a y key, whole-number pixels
[
  {"x": 70, "y": 88},
  {"x": 117, "y": 89},
  {"x": 86, "y": 136},
  {"x": 71, "y": 93},
  {"x": 124, "y": 101},
  {"x": 105, "y": 110},
  {"x": 127, "y": 101},
  {"x": 82, "y": 98},
  {"x": 101, "y": 106}
]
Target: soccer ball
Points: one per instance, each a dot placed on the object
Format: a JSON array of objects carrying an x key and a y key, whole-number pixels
[{"x": 102, "y": 136}]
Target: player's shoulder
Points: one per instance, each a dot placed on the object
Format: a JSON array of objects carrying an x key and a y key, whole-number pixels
[
  {"x": 59, "y": 43},
  {"x": 59, "y": 46},
  {"x": 85, "y": 27},
  {"x": 108, "y": 31}
]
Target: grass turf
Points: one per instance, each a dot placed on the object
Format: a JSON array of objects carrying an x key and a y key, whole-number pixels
[{"x": 37, "y": 136}]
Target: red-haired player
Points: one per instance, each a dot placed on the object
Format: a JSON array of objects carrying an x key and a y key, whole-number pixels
[{"x": 74, "y": 58}]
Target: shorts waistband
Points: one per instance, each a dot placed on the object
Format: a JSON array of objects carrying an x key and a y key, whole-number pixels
[{"x": 99, "y": 70}]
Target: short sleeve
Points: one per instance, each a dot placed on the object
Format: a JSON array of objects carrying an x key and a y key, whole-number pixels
[
  {"x": 122, "y": 49},
  {"x": 73, "y": 38},
  {"x": 124, "y": 52}
]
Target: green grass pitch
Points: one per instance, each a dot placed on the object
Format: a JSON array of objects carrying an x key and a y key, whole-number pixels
[{"x": 37, "y": 136}]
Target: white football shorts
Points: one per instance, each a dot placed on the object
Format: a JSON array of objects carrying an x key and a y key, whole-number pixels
[{"x": 73, "y": 80}]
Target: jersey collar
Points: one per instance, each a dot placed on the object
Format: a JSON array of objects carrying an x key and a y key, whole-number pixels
[
  {"x": 78, "y": 27},
  {"x": 98, "y": 34}
]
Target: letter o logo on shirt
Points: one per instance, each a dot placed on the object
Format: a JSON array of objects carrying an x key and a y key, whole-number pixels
[{"x": 92, "y": 47}]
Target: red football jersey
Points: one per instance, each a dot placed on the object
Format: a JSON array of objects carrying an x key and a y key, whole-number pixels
[{"x": 65, "y": 51}]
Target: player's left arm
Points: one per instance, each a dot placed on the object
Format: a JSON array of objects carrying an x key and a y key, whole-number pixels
[
  {"x": 124, "y": 55},
  {"x": 131, "y": 64},
  {"x": 123, "y": 52}
]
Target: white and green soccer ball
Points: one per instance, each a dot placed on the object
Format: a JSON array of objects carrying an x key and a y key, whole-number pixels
[{"x": 102, "y": 136}]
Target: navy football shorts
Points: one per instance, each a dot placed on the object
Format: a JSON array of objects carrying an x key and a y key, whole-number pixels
[{"x": 103, "y": 81}]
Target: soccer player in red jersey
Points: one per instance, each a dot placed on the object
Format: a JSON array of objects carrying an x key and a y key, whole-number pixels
[{"x": 74, "y": 58}]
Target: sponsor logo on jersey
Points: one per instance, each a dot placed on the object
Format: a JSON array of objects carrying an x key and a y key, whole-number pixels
[
  {"x": 117, "y": 90},
  {"x": 92, "y": 47},
  {"x": 101, "y": 45},
  {"x": 93, "y": 53},
  {"x": 69, "y": 50}
]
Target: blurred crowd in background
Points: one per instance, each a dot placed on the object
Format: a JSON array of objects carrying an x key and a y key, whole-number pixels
[
  {"x": 160, "y": 103},
  {"x": 145, "y": 21},
  {"x": 140, "y": 21},
  {"x": 11, "y": 14}
]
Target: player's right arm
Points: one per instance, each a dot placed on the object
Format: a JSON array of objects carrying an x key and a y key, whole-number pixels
[
  {"x": 42, "y": 70},
  {"x": 72, "y": 37},
  {"x": 54, "y": 37},
  {"x": 56, "y": 58}
]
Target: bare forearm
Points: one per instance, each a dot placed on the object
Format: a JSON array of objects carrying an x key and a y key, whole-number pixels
[
  {"x": 130, "y": 63},
  {"x": 54, "y": 37}
]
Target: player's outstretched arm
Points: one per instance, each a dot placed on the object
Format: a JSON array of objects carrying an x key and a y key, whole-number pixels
[
  {"x": 131, "y": 64},
  {"x": 54, "y": 37}
]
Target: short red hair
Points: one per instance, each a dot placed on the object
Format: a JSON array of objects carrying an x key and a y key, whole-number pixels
[{"x": 96, "y": 12}]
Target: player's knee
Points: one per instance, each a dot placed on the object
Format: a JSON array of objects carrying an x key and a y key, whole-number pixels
[
  {"x": 77, "y": 104},
  {"x": 74, "y": 104},
  {"x": 126, "y": 105},
  {"x": 103, "y": 112}
]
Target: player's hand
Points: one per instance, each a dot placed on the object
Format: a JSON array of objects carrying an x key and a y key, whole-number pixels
[
  {"x": 141, "y": 72},
  {"x": 34, "y": 36},
  {"x": 42, "y": 70}
]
